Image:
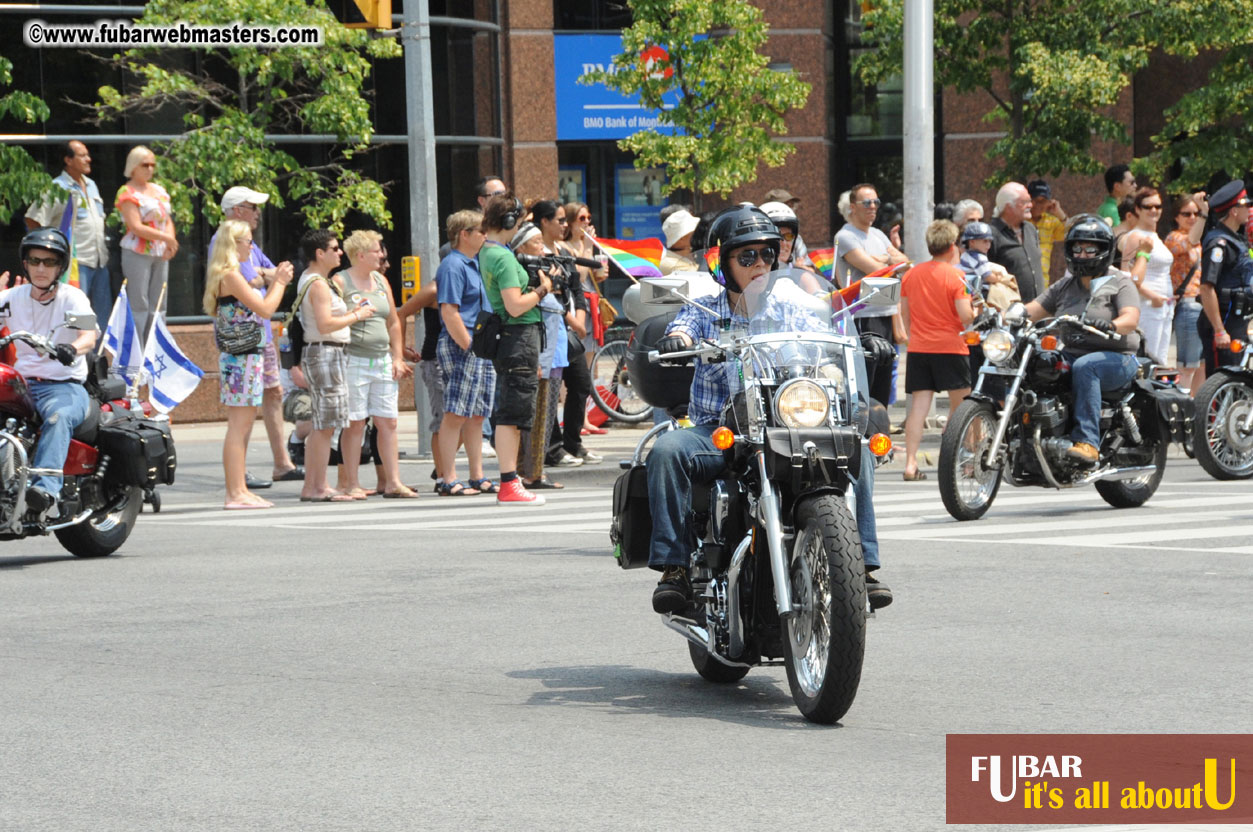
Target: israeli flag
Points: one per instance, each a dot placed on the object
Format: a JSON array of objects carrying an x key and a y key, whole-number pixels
[
  {"x": 121, "y": 338},
  {"x": 171, "y": 375}
]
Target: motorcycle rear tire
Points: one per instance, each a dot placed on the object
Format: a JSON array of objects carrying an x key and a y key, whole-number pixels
[
  {"x": 1221, "y": 390},
  {"x": 103, "y": 534},
  {"x": 712, "y": 670},
  {"x": 951, "y": 460},
  {"x": 824, "y": 649},
  {"x": 1132, "y": 493}
]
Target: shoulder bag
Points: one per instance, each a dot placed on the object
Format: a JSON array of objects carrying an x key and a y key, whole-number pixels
[{"x": 237, "y": 337}]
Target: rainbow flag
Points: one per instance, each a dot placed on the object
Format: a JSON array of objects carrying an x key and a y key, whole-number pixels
[
  {"x": 711, "y": 258},
  {"x": 824, "y": 261},
  {"x": 70, "y": 275},
  {"x": 637, "y": 258}
]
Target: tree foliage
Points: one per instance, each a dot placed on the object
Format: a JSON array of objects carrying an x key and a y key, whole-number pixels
[
  {"x": 730, "y": 107},
  {"x": 22, "y": 178},
  {"x": 1052, "y": 69},
  {"x": 1209, "y": 130},
  {"x": 232, "y": 98}
]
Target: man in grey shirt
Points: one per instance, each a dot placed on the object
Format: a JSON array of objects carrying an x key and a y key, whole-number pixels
[{"x": 860, "y": 249}]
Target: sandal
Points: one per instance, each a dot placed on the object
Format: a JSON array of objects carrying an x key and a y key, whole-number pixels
[
  {"x": 542, "y": 483},
  {"x": 456, "y": 488},
  {"x": 484, "y": 486},
  {"x": 917, "y": 477}
]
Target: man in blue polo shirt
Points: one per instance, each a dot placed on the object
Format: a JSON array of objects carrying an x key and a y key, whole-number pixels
[{"x": 469, "y": 381}]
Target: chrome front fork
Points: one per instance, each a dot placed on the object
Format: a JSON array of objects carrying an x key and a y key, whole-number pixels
[
  {"x": 1011, "y": 399},
  {"x": 770, "y": 511}
]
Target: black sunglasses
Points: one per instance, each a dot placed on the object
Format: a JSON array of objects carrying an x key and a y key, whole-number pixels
[
  {"x": 748, "y": 256},
  {"x": 43, "y": 261}
]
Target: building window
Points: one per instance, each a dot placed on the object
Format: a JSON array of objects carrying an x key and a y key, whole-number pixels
[{"x": 591, "y": 15}]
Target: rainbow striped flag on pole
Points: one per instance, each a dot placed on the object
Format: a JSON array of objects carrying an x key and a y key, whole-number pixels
[
  {"x": 70, "y": 275},
  {"x": 824, "y": 261},
  {"x": 635, "y": 258}
]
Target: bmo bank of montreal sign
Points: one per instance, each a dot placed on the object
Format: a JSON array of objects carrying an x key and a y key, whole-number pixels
[{"x": 595, "y": 112}]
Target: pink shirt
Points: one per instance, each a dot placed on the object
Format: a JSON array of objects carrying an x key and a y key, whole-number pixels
[{"x": 154, "y": 211}]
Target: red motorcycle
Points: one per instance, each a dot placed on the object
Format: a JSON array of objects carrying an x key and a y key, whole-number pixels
[{"x": 116, "y": 457}]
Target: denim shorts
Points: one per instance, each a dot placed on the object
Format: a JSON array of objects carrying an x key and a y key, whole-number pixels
[{"x": 1188, "y": 346}]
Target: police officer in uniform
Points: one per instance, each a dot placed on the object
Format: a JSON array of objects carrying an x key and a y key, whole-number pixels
[{"x": 1226, "y": 276}]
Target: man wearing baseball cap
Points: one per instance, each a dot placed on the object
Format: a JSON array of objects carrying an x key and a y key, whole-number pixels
[
  {"x": 244, "y": 204},
  {"x": 1048, "y": 218},
  {"x": 1226, "y": 276}
]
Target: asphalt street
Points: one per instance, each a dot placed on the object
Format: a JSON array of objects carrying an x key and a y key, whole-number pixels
[{"x": 446, "y": 663}]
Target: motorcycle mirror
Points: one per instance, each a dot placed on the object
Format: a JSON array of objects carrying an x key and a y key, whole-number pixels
[
  {"x": 662, "y": 290},
  {"x": 881, "y": 291},
  {"x": 1016, "y": 313},
  {"x": 80, "y": 320}
]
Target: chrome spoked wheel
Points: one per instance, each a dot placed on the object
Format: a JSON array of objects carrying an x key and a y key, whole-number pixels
[
  {"x": 810, "y": 629},
  {"x": 1227, "y": 444},
  {"x": 967, "y": 483}
]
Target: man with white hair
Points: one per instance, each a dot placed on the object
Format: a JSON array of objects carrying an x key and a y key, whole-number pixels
[
  {"x": 244, "y": 204},
  {"x": 1015, "y": 241}
]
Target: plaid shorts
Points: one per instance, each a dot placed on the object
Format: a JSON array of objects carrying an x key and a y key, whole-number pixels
[
  {"x": 469, "y": 381},
  {"x": 326, "y": 370},
  {"x": 269, "y": 367},
  {"x": 433, "y": 380}
]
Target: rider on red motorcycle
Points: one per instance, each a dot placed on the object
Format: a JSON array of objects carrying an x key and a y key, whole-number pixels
[{"x": 56, "y": 384}]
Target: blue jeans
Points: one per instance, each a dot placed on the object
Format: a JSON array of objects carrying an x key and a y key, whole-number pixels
[
  {"x": 1089, "y": 375},
  {"x": 681, "y": 458},
  {"x": 95, "y": 285},
  {"x": 63, "y": 406}
]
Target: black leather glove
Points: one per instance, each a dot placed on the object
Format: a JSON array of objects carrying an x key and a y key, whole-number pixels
[
  {"x": 672, "y": 343},
  {"x": 66, "y": 354},
  {"x": 879, "y": 351},
  {"x": 1099, "y": 323}
]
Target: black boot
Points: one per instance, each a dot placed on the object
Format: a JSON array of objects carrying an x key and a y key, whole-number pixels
[
  {"x": 877, "y": 591},
  {"x": 673, "y": 592}
]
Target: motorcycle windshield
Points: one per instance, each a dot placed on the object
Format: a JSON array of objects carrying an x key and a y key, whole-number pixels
[{"x": 798, "y": 326}]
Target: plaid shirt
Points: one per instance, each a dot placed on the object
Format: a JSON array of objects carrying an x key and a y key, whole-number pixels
[{"x": 713, "y": 384}]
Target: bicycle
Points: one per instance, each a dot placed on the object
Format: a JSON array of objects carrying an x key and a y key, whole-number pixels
[{"x": 611, "y": 384}]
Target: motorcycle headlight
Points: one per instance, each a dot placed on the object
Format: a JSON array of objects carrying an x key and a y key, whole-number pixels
[
  {"x": 998, "y": 346},
  {"x": 802, "y": 404}
]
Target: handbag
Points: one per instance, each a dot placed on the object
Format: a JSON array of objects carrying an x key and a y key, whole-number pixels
[
  {"x": 607, "y": 313},
  {"x": 237, "y": 337},
  {"x": 485, "y": 341}
]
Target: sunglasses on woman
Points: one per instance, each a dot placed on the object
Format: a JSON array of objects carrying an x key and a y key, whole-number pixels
[
  {"x": 787, "y": 234},
  {"x": 748, "y": 256}
]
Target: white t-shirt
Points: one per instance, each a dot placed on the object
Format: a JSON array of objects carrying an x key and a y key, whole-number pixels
[
  {"x": 1157, "y": 275},
  {"x": 22, "y": 314},
  {"x": 875, "y": 243}
]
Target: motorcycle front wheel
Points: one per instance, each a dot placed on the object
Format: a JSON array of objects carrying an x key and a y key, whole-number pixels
[
  {"x": 105, "y": 531},
  {"x": 826, "y": 634},
  {"x": 967, "y": 485},
  {"x": 1223, "y": 449}
]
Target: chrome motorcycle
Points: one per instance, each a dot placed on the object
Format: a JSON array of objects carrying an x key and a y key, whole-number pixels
[
  {"x": 1015, "y": 425},
  {"x": 777, "y": 571},
  {"x": 1223, "y": 441}
]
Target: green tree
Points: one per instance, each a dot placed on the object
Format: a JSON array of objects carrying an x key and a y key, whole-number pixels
[
  {"x": 1209, "y": 130},
  {"x": 22, "y": 179},
  {"x": 1052, "y": 69},
  {"x": 231, "y": 98},
  {"x": 730, "y": 106}
]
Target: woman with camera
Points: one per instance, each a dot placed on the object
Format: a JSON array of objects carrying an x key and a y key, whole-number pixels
[{"x": 515, "y": 300}]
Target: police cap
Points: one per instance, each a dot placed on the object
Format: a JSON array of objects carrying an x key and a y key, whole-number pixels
[{"x": 1226, "y": 197}]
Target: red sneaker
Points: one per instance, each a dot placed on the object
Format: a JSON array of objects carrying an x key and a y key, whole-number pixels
[{"x": 513, "y": 492}]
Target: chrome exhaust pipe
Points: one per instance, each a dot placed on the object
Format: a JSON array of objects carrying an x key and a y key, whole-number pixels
[{"x": 697, "y": 634}]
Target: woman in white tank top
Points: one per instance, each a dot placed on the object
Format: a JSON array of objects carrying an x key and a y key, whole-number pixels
[{"x": 1157, "y": 296}]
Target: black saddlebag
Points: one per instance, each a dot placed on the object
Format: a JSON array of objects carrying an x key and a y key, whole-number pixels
[
  {"x": 140, "y": 451},
  {"x": 632, "y": 528}
]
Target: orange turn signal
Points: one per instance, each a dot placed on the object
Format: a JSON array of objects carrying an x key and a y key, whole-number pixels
[
  {"x": 1048, "y": 342},
  {"x": 972, "y": 338},
  {"x": 1237, "y": 345},
  {"x": 880, "y": 444},
  {"x": 723, "y": 438}
]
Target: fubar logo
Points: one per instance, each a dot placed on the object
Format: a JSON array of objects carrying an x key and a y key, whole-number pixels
[{"x": 1026, "y": 766}]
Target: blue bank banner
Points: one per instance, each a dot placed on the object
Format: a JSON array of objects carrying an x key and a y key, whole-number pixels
[
  {"x": 638, "y": 202},
  {"x": 595, "y": 113}
]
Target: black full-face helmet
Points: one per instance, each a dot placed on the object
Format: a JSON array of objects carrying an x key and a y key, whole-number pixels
[
  {"x": 737, "y": 227},
  {"x": 47, "y": 238},
  {"x": 1089, "y": 229}
]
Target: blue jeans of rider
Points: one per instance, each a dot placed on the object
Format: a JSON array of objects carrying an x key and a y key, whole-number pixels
[
  {"x": 681, "y": 458},
  {"x": 1090, "y": 375},
  {"x": 63, "y": 407}
]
